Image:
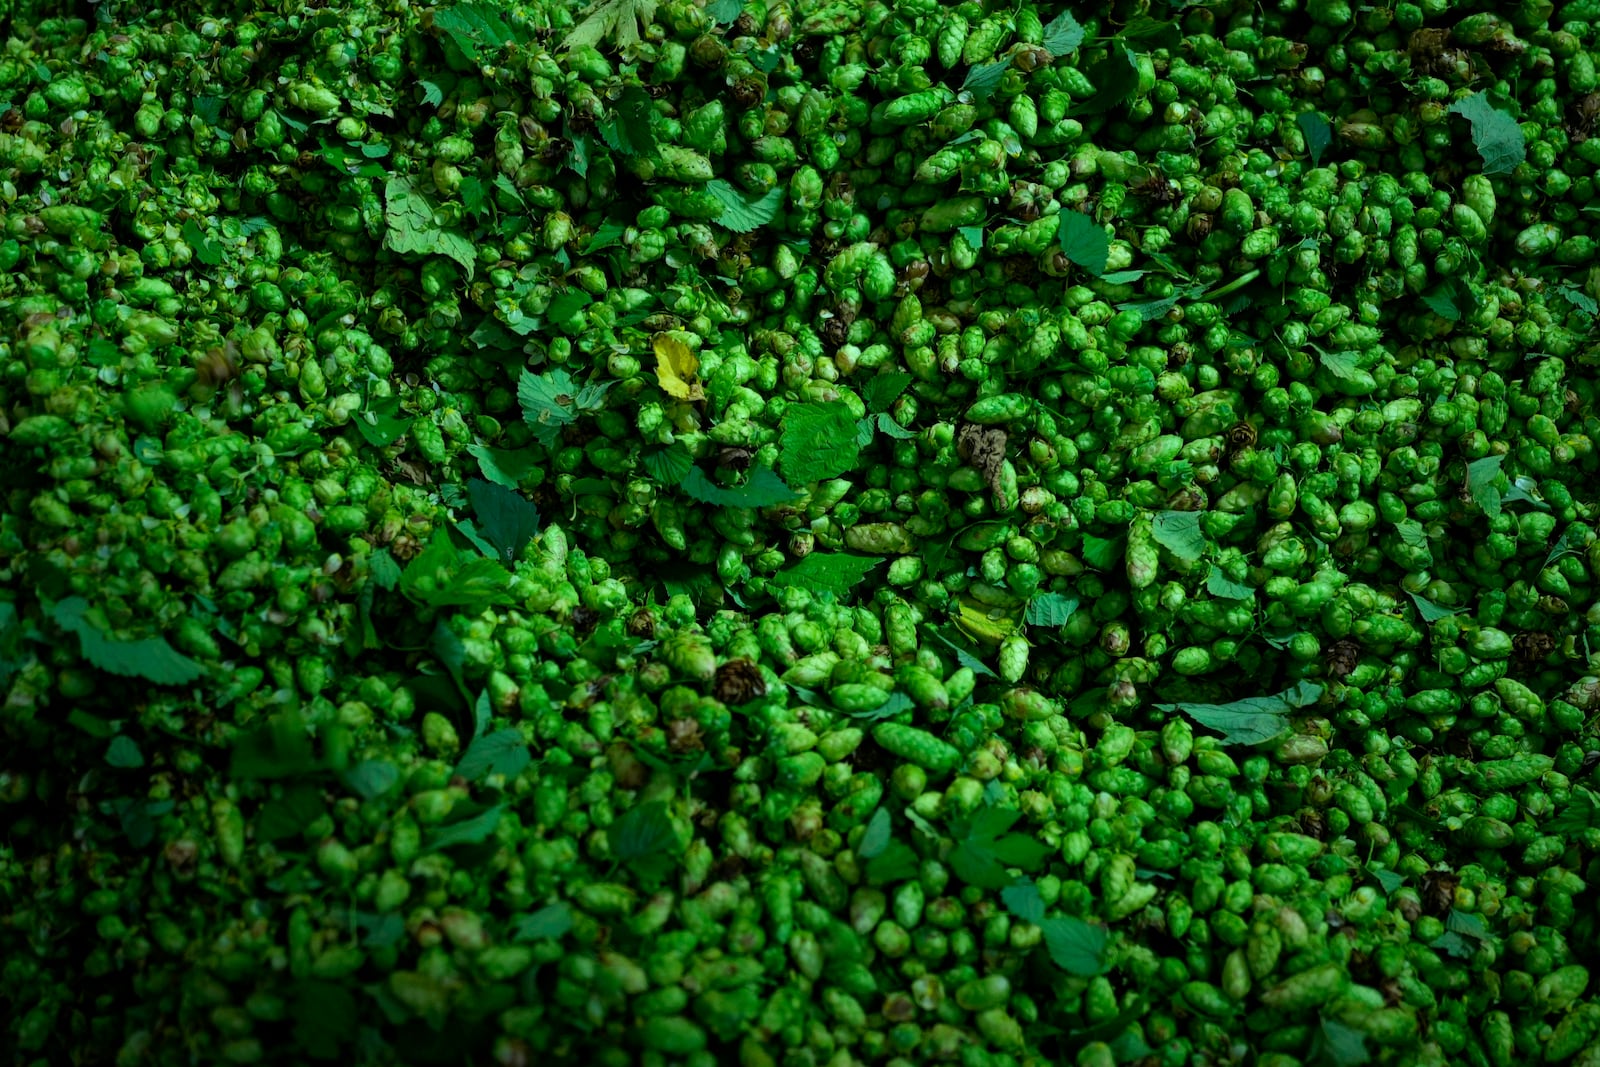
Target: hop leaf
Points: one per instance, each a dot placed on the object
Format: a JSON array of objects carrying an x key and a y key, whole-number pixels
[
  {"x": 623, "y": 19},
  {"x": 676, "y": 367},
  {"x": 1495, "y": 134}
]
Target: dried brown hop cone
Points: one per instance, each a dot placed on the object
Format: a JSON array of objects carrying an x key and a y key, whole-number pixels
[
  {"x": 983, "y": 448},
  {"x": 642, "y": 624},
  {"x": 1343, "y": 657},
  {"x": 739, "y": 681}
]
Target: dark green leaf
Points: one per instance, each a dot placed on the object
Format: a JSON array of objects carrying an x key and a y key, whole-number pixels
[
  {"x": 1050, "y": 609},
  {"x": 448, "y": 647},
  {"x": 1150, "y": 310},
  {"x": 1342, "y": 1046},
  {"x": 1179, "y": 533},
  {"x": 1153, "y": 32},
  {"x": 381, "y": 930},
  {"x": 631, "y": 131},
  {"x": 876, "y": 838},
  {"x": 1432, "y": 612},
  {"x": 380, "y": 423},
  {"x": 1318, "y": 134},
  {"x": 1467, "y": 924},
  {"x": 983, "y": 79},
  {"x": 412, "y": 229},
  {"x": 669, "y": 465},
  {"x": 1411, "y": 533},
  {"x": 1022, "y": 899},
  {"x": 92, "y": 725},
  {"x": 504, "y": 517},
  {"x": 504, "y": 752},
  {"x": 882, "y": 390},
  {"x": 608, "y": 233},
  {"x": 644, "y": 838},
  {"x": 1020, "y": 850},
  {"x": 1084, "y": 241},
  {"x": 1342, "y": 365},
  {"x": 457, "y": 580},
  {"x": 1062, "y": 35},
  {"x": 1388, "y": 880},
  {"x": 1103, "y": 553},
  {"x": 474, "y": 195},
  {"x": 123, "y": 753},
  {"x": 1496, "y": 135},
  {"x": 138, "y": 818},
  {"x": 384, "y": 570},
  {"x": 471, "y": 831},
  {"x": 370, "y": 779},
  {"x": 1578, "y": 816},
  {"x": 887, "y": 426},
  {"x": 1521, "y": 492},
  {"x": 298, "y": 807},
  {"x": 503, "y": 467},
  {"x": 482, "y": 714},
  {"x": 964, "y": 654},
  {"x": 742, "y": 212},
  {"x": 1570, "y": 543},
  {"x": 1578, "y": 299},
  {"x": 1253, "y": 720},
  {"x": 831, "y": 572},
  {"x": 207, "y": 250},
  {"x": 988, "y": 824},
  {"x": 278, "y": 749},
  {"x": 1077, "y": 947},
  {"x": 1218, "y": 584},
  {"x": 548, "y": 922},
  {"x": 724, "y": 12},
  {"x": 1453, "y": 944},
  {"x": 468, "y": 529},
  {"x": 898, "y": 702},
  {"x": 976, "y": 864},
  {"x": 1451, "y": 300},
  {"x": 896, "y": 863},
  {"x": 763, "y": 489},
  {"x": 324, "y": 1016},
  {"x": 818, "y": 442},
  {"x": 1483, "y": 482},
  {"x": 150, "y": 658},
  {"x": 1115, "y": 79},
  {"x": 476, "y": 28}
]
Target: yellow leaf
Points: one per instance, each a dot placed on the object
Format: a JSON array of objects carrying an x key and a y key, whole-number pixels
[{"x": 676, "y": 367}]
